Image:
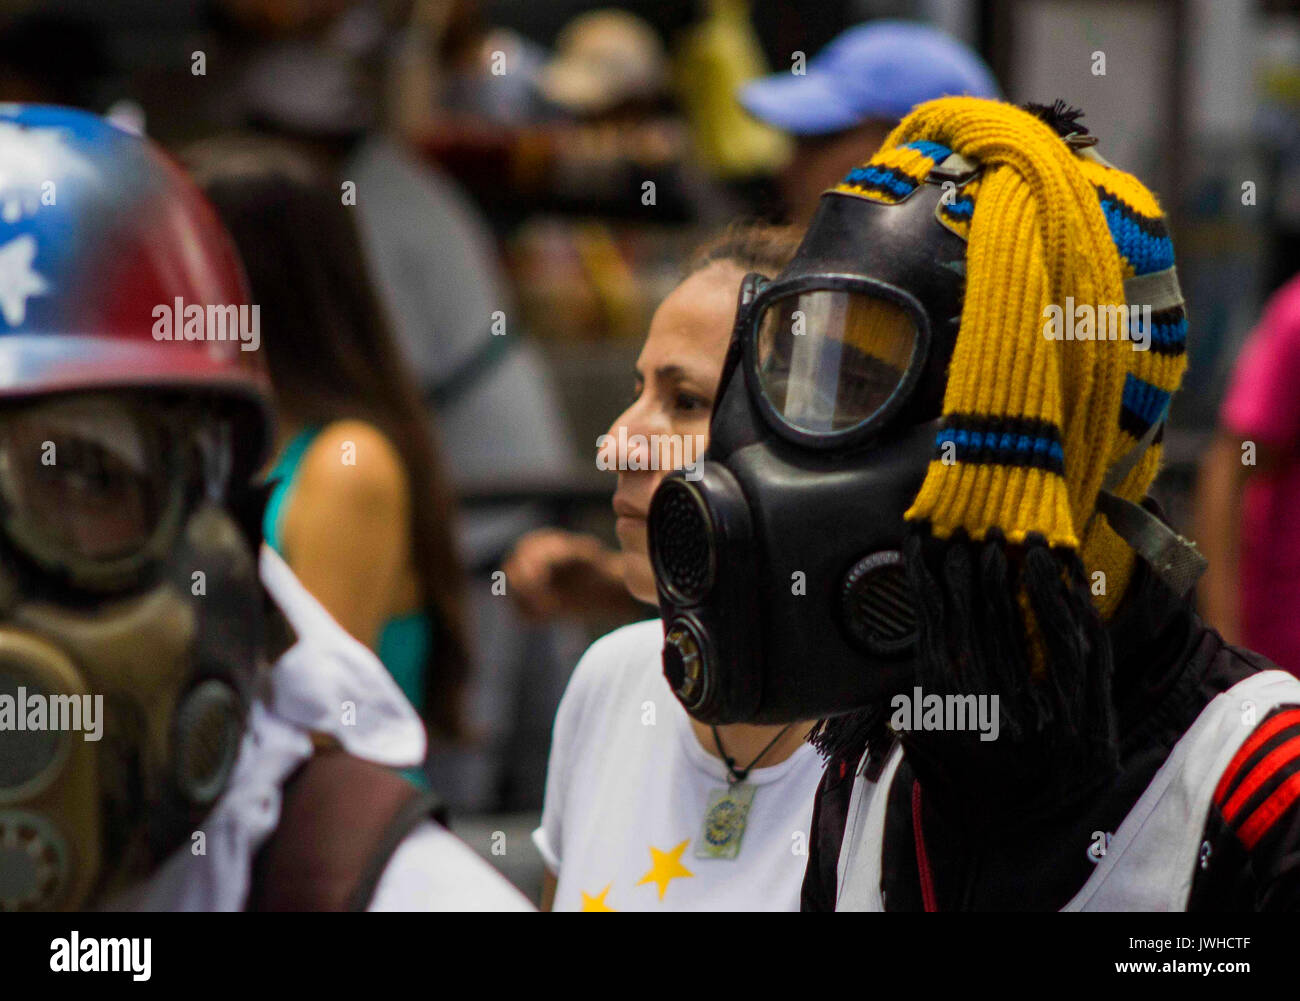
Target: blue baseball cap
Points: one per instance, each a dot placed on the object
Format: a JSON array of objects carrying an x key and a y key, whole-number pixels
[{"x": 879, "y": 70}]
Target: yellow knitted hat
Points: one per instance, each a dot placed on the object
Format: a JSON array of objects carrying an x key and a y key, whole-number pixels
[
  {"x": 1032, "y": 424},
  {"x": 1049, "y": 387}
]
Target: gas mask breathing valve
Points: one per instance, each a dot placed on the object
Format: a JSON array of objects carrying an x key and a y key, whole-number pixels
[
  {"x": 877, "y": 604},
  {"x": 685, "y": 662},
  {"x": 686, "y": 557},
  {"x": 209, "y": 725},
  {"x": 33, "y": 861}
]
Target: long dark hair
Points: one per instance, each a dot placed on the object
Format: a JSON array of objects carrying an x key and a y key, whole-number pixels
[{"x": 332, "y": 356}]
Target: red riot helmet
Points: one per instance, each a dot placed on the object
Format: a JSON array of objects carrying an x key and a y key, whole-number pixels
[{"x": 115, "y": 273}]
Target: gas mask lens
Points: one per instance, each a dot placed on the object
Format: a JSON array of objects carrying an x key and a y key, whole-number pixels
[
  {"x": 87, "y": 484},
  {"x": 830, "y": 359}
]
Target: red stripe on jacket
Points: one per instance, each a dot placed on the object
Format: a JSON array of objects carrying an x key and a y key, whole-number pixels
[{"x": 1262, "y": 735}]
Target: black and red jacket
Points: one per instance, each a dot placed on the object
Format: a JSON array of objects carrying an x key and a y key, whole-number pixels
[{"x": 1035, "y": 851}]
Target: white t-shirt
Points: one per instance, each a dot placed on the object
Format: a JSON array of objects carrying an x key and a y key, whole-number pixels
[{"x": 629, "y": 786}]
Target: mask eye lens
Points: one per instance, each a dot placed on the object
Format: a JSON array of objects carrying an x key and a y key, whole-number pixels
[
  {"x": 82, "y": 480},
  {"x": 829, "y": 359}
]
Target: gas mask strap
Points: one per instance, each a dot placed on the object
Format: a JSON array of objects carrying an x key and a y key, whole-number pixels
[
  {"x": 218, "y": 459},
  {"x": 1174, "y": 558}
]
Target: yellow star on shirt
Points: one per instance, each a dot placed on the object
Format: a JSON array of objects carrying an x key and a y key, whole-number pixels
[
  {"x": 666, "y": 867},
  {"x": 597, "y": 903}
]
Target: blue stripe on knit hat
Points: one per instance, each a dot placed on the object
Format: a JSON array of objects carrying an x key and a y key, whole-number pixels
[{"x": 1143, "y": 242}]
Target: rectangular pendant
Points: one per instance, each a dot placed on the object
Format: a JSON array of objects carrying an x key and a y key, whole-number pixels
[{"x": 724, "y": 822}]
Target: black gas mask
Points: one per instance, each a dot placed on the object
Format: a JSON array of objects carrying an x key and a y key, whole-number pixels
[{"x": 779, "y": 569}]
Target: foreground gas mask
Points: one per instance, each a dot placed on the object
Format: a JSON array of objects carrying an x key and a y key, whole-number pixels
[
  {"x": 130, "y": 614},
  {"x": 779, "y": 571}
]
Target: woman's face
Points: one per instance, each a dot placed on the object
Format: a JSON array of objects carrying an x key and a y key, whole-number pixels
[{"x": 676, "y": 379}]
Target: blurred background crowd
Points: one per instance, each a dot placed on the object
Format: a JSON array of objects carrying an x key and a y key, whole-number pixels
[{"x": 529, "y": 177}]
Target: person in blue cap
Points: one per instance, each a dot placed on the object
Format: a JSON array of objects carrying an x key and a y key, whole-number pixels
[{"x": 853, "y": 92}]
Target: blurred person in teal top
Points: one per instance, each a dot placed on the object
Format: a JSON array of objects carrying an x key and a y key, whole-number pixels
[
  {"x": 358, "y": 503},
  {"x": 405, "y": 641}
]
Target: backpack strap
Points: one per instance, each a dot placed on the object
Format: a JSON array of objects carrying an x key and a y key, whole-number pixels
[{"x": 341, "y": 819}]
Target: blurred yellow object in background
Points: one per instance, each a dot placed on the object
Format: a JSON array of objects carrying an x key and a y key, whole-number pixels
[{"x": 716, "y": 57}]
